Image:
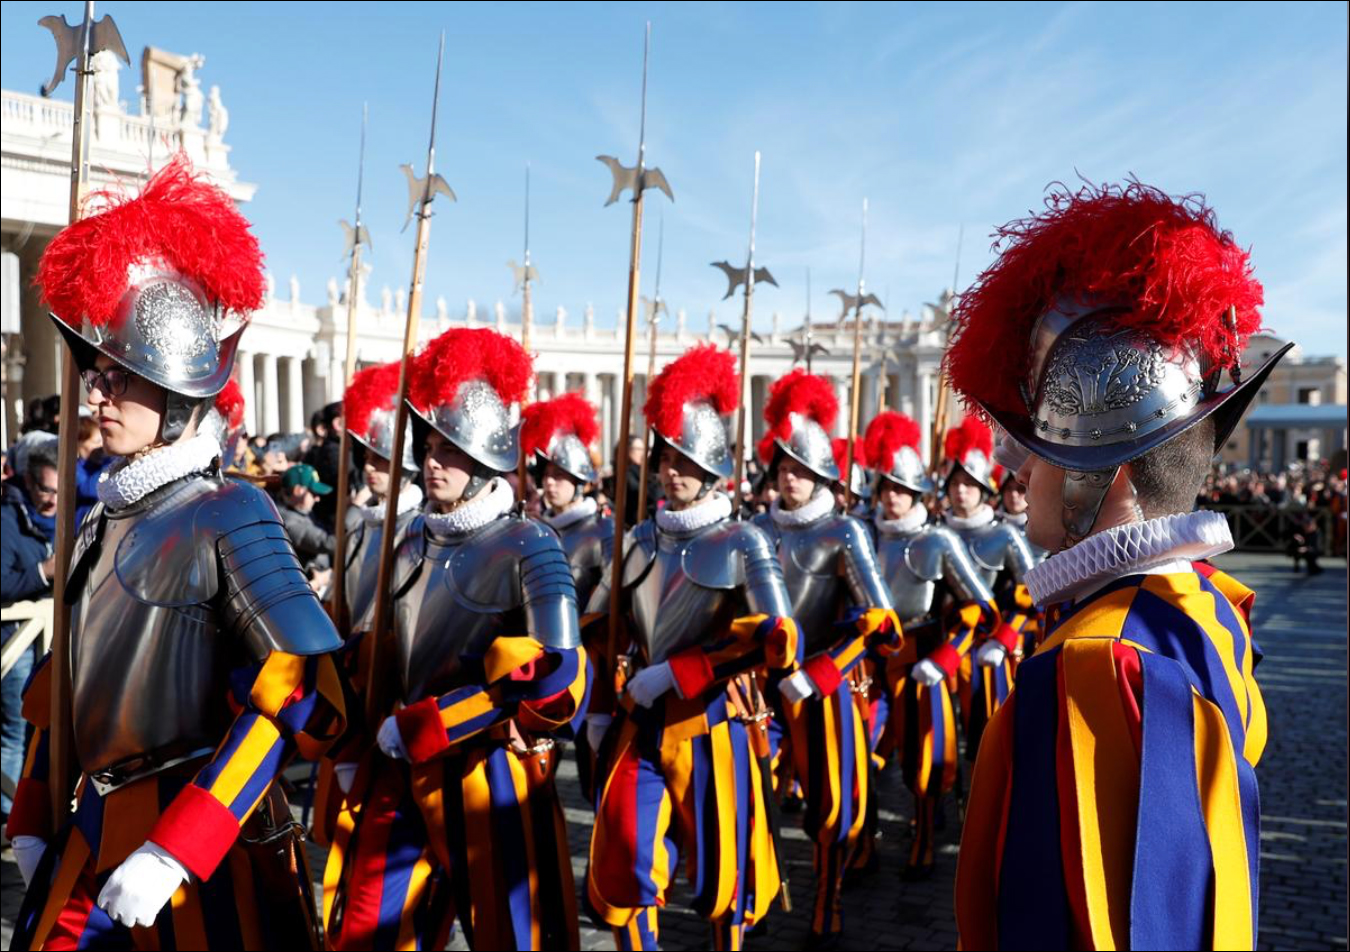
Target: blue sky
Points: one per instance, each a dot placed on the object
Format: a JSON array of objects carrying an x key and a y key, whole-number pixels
[{"x": 945, "y": 116}]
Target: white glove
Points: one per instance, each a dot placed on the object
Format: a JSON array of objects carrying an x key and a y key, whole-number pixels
[
  {"x": 344, "y": 774},
  {"x": 28, "y": 852},
  {"x": 390, "y": 740},
  {"x": 797, "y": 687},
  {"x": 927, "y": 672},
  {"x": 138, "y": 889},
  {"x": 650, "y": 683},
  {"x": 596, "y": 726},
  {"x": 991, "y": 654}
]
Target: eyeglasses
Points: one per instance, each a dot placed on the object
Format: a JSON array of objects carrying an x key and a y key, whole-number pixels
[{"x": 111, "y": 382}]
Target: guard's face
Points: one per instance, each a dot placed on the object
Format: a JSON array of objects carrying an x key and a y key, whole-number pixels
[
  {"x": 1044, "y": 502},
  {"x": 445, "y": 470},
  {"x": 376, "y": 472},
  {"x": 895, "y": 502},
  {"x": 129, "y": 421},
  {"x": 964, "y": 493},
  {"x": 796, "y": 484},
  {"x": 681, "y": 479},
  {"x": 1015, "y": 497},
  {"x": 557, "y": 488}
]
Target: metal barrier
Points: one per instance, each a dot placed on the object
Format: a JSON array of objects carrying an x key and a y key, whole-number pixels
[
  {"x": 35, "y": 625},
  {"x": 1267, "y": 529}
]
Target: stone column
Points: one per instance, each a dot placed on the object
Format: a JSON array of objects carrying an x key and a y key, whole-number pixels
[
  {"x": 244, "y": 361},
  {"x": 841, "y": 391},
  {"x": 924, "y": 413},
  {"x": 271, "y": 417},
  {"x": 295, "y": 396}
]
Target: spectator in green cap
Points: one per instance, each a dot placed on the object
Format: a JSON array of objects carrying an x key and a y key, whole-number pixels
[{"x": 300, "y": 490}]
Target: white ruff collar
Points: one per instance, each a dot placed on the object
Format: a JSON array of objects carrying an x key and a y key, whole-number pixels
[
  {"x": 1018, "y": 519},
  {"x": 409, "y": 498},
  {"x": 687, "y": 520},
  {"x": 820, "y": 505},
  {"x": 584, "y": 509},
  {"x": 132, "y": 480},
  {"x": 982, "y": 517},
  {"x": 911, "y": 521},
  {"x": 1167, "y": 542},
  {"x": 494, "y": 501}
]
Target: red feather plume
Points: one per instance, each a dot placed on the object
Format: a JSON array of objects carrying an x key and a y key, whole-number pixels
[
  {"x": 178, "y": 218},
  {"x": 569, "y": 413},
  {"x": 371, "y": 389},
  {"x": 764, "y": 448},
  {"x": 803, "y": 393},
  {"x": 230, "y": 404},
  {"x": 1165, "y": 257},
  {"x": 462, "y": 354},
  {"x": 839, "y": 445},
  {"x": 703, "y": 372},
  {"x": 972, "y": 434},
  {"x": 886, "y": 434}
]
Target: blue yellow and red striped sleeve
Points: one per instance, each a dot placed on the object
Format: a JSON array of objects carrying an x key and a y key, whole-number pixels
[
  {"x": 30, "y": 812},
  {"x": 285, "y": 705},
  {"x": 543, "y": 688},
  {"x": 865, "y": 631},
  {"x": 969, "y": 622},
  {"x": 750, "y": 642}
]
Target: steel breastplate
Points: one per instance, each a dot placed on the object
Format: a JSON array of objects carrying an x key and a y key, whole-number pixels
[
  {"x": 363, "y": 564},
  {"x": 911, "y": 570},
  {"x": 671, "y": 611},
  {"x": 587, "y": 544},
  {"x": 149, "y": 666},
  {"x": 988, "y": 548},
  {"x": 811, "y": 559}
]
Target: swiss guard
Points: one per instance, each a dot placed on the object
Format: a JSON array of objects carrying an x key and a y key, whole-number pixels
[
  {"x": 200, "y": 657},
  {"x": 709, "y": 629},
  {"x": 455, "y": 812},
  {"x": 1000, "y": 554},
  {"x": 1114, "y": 800},
  {"x": 843, "y": 611},
  {"x": 943, "y": 604}
]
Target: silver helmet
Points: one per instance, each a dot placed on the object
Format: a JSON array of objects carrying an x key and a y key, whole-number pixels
[
  {"x": 378, "y": 437},
  {"x": 809, "y": 444},
  {"x": 467, "y": 384},
  {"x": 907, "y": 471},
  {"x": 702, "y": 438},
  {"x": 478, "y": 422},
  {"x": 1124, "y": 308},
  {"x": 569, "y": 454}
]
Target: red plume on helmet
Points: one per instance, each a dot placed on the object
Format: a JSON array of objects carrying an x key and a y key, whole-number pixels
[
  {"x": 972, "y": 434},
  {"x": 704, "y": 372},
  {"x": 179, "y": 219},
  {"x": 230, "y": 405},
  {"x": 1164, "y": 258},
  {"x": 840, "y": 447},
  {"x": 886, "y": 434},
  {"x": 801, "y": 393},
  {"x": 569, "y": 413},
  {"x": 462, "y": 354},
  {"x": 764, "y": 448},
  {"x": 371, "y": 389}
]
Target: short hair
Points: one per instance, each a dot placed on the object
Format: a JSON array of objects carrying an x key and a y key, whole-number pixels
[
  {"x": 40, "y": 458},
  {"x": 1167, "y": 478}
]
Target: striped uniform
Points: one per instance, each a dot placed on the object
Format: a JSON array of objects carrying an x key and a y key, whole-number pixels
[
  {"x": 247, "y": 891},
  {"x": 472, "y": 827},
  {"x": 687, "y": 775},
  {"x": 1114, "y": 801}
]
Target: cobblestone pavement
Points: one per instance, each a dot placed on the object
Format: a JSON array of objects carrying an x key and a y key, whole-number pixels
[{"x": 1300, "y": 623}]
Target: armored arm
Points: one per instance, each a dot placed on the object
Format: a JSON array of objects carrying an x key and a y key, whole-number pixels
[
  {"x": 287, "y": 691},
  {"x": 871, "y": 625},
  {"x": 1018, "y": 558},
  {"x": 975, "y": 602},
  {"x": 540, "y": 678}
]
